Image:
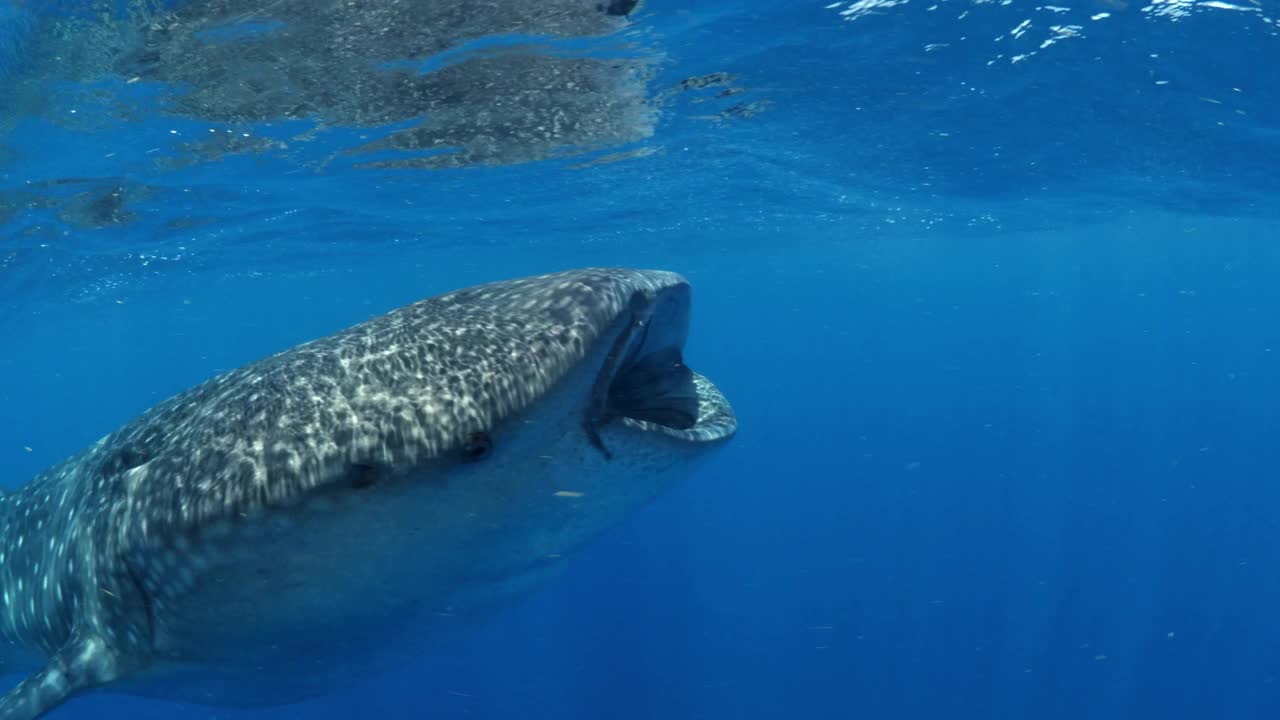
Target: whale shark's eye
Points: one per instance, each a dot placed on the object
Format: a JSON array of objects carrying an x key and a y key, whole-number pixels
[
  {"x": 620, "y": 8},
  {"x": 126, "y": 458},
  {"x": 364, "y": 476},
  {"x": 477, "y": 446}
]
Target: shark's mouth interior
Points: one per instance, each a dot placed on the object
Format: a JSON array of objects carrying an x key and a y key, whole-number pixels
[
  {"x": 656, "y": 388},
  {"x": 645, "y": 384}
]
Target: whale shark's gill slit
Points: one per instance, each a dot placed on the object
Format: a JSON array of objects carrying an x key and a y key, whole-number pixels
[
  {"x": 593, "y": 436},
  {"x": 146, "y": 608}
]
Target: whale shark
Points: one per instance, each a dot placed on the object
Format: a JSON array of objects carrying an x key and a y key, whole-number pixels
[{"x": 327, "y": 512}]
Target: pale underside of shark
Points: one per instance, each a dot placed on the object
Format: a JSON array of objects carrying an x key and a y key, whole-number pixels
[{"x": 326, "y": 511}]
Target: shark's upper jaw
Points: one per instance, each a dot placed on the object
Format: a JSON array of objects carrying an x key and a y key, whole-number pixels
[{"x": 644, "y": 382}]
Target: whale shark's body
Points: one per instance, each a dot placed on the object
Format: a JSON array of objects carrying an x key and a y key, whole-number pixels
[{"x": 321, "y": 513}]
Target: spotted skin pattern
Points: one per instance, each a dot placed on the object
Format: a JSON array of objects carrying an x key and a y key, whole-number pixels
[{"x": 92, "y": 549}]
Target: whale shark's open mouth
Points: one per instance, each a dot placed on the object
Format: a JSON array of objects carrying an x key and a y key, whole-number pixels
[{"x": 645, "y": 384}]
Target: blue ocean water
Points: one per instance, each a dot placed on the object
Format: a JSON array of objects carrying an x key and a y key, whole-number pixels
[{"x": 991, "y": 286}]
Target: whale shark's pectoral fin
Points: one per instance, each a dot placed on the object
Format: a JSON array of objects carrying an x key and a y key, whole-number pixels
[
  {"x": 36, "y": 695},
  {"x": 82, "y": 664}
]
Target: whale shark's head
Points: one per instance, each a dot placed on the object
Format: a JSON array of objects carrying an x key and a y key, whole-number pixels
[
  {"x": 625, "y": 418},
  {"x": 623, "y": 334},
  {"x": 594, "y": 409},
  {"x": 581, "y": 370}
]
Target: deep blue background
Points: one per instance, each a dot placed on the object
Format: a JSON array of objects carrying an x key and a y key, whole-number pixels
[{"x": 1001, "y": 339}]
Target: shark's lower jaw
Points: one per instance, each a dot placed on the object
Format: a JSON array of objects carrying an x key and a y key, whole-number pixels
[{"x": 715, "y": 420}]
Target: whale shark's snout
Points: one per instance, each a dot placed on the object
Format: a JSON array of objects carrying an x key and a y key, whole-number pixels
[{"x": 329, "y": 510}]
